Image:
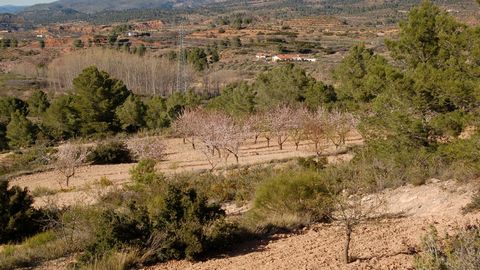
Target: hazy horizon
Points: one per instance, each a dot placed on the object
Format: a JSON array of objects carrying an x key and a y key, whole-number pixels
[{"x": 23, "y": 2}]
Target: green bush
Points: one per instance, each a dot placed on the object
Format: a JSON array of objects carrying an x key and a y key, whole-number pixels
[
  {"x": 170, "y": 222},
  {"x": 457, "y": 252},
  {"x": 18, "y": 218},
  {"x": 459, "y": 159},
  {"x": 38, "y": 103},
  {"x": 144, "y": 172},
  {"x": 20, "y": 131},
  {"x": 131, "y": 114},
  {"x": 3, "y": 137},
  {"x": 474, "y": 205},
  {"x": 180, "y": 224},
  {"x": 117, "y": 230},
  {"x": 312, "y": 163},
  {"x": 9, "y": 105},
  {"x": 292, "y": 198},
  {"x": 27, "y": 160},
  {"x": 113, "y": 261},
  {"x": 237, "y": 185},
  {"x": 110, "y": 153}
]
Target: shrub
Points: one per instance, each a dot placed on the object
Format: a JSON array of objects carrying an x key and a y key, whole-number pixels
[
  {"x": 9, "y": 105},
  {"x": 39, "y": 240},
  {"x": 144, "y": 172},
  {"x": 390, "y": 164},
  {"x": 105, "y": 182},
  {"x": 312, "y": 163},
  {"x": 179, "y": 225},
  {"x": 3, "y": 137},
  {"x": 131, "y": 114},
  {"x": 457, "y": 252},
  {"x": 38, "y": 103},
  {"x": 474, "y": 205},
  {"x": 167, "y": 223},
  {"x": 460, "y": 158},
  {"x": 116, "y": 230},
  {"x": 292, "y": 197},
  {"x": 237, "y": 185},
  {"x": 28, "y": 159},
  {"x": 113, "y": 261},
  {"x": 110, "y": 153},
  {"x": 20, "y": 131},
  {"x": 18, "y": 218},
  {"x": 43, "y": 191}
]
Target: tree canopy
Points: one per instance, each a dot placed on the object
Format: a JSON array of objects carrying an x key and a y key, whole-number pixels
[
  {"x": 97, "y": 97},
  {"x": 285, "y": 84}
]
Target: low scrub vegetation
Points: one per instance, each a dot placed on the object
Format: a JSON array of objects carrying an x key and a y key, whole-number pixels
[
  {"x": 455, "y": 252},
  {"x": 110, "y": 153},
  {"x": 18, "y": 218},
  {"x": 290, "y": 199}
]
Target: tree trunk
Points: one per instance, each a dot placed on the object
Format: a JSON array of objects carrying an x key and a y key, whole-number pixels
[
  {"x": 348, "y": 237},
  {"x": 67, "y": 181}
]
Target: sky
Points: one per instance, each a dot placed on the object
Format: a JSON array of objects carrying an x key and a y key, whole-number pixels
[{"x": 23, "y": 2}]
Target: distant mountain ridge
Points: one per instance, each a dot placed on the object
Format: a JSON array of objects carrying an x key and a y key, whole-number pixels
[
  {"x": 108, "y": 11},
  {"x": 94, "y": 6},
  {"x": 11, "y": 9}
]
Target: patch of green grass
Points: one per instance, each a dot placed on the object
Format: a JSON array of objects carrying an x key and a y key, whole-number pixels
[{"x": 43, "y": 191}]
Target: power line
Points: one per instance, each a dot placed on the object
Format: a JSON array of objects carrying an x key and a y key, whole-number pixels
[{"x": 182, "y": 60}]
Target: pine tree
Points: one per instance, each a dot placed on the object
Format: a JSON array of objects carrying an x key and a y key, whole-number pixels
[
  {"x": 131, "y": 114},
  {"x": 38, "y": 103},
  {"x": 20, "y": 131},
  {"x": 97, "y": 96}
]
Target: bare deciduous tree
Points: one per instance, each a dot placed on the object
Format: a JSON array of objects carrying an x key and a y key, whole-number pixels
[
  {"x": 236, "y": 134},
  {"x": 147, "y": 148},
  {"x": 355, "y": 203},
  {"x": 339, "y": 124},
  {"x": 297, "y": 129},
  {"x": 143, "y": 75},
  {"x": 255, "y": 122},
  {"x": 68, "y": 158},
  {"x": 315, "y": 129},
  {"x": 188, "y": 124},
  {"x": 279, "y": 120}
]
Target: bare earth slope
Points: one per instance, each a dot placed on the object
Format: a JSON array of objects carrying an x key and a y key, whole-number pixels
[{"x": 389, "y": 244}]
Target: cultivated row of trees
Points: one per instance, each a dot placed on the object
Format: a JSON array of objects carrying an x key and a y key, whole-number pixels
[
  {"x": 143, "y": 75},
  {"x": 218, "y": 135}
]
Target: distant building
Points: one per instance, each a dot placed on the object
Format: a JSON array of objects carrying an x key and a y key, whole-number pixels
[
  {"x": 287, "y": 58},
  {"x": 263, "y": 56},
  {"x": 133, "y": 34},
  {"x": 137, "y": 34},
  {"x": 310, "y": 59},
  {"x": 292, "y": 58}
]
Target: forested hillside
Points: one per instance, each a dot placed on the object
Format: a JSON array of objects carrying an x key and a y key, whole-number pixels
[{"x": 104, "y": 11}]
